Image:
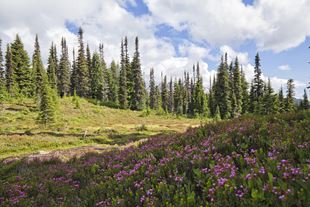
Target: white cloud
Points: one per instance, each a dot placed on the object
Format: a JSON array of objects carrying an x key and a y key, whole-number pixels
[
  {"x": 284, "y": 67},
  {"x": 272, "y": 24}
]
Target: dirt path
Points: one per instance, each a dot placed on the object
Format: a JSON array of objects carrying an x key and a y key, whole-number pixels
[{"x": 67, "y": 154}]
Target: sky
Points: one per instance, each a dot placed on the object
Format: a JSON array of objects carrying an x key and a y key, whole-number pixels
[{"x": 175, "y": 34}]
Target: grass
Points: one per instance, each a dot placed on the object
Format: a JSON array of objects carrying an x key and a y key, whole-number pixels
[{"x": 90, "y": 124}]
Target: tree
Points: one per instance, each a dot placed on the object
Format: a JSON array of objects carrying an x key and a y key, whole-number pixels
[
  {"x": 237, "y": 88},
  {"x": 64, "y": 71},
  {"x": 122, "y": 94},
  {"x": 52, "y": 68},
  {"x": 137, "y": 98},
  {"x": 113, "y": 83},
  {"x": 305, "y": 102},
  {"x": 82, "y": 88},
  {"x": 222, "y": 89},
  {"x": 258, "y": 84},
  {"x": 2, "y": 77},
  {"x": 268, "y": 100},
  {"x": 164, "y": 94},
  {"x": 96, "y": 78},
  {"x": 245, "y": 93},
  {"x": 170, "y": 99},
  {"x": 9, "y": 71},
  {"x": 199, "y": 95},
  {"x": 47, "y": 109},
  {"x": 290, "y": 105},
  {"x": 37, "y": 66},
  {"x": 281, "y": 100},
  {"x": 73, "y": 75},
  {"x": 129, "y": 73},
  {"x": 21, "y": 68},
  {"x": 152, "y": 86}
]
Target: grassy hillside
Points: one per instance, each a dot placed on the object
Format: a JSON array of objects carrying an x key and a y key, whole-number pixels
[
  {"x": 250, "y": 161},
  {"x": 89, "y": 124}
]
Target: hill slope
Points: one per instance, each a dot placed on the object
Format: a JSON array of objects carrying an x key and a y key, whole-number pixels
[
  {"x": 250, "y": 161},
  {"x": 88, "y": 125}
]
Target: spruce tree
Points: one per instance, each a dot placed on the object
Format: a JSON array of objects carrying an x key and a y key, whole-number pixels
[
  {"x": 37, "y": 66},
  {"x": 222, "y": 89},
  {"x": 47, "y": 104},
  {"x": 97, "y": 78},
  {"x": 21, "y": 68},
  {"x": 164, "y": 94},
  {"x": 9, "y": 71},
  {"x": 152, "y": 86},
  {"x": 258, "y": 83},
  {"x": 269, "y": 100},
  {"x": 73, "y": 76},
  {"x": 122, "y": 94},
  {"x": 245, "y": 93},
  {"x": 170, "y": 101},
  {"x": 157, "y": 101},
  {"x": 305, "y": 102},
  {"x": 129, "y": 74},
  {"x": 199, "y": 95},
  {"x": 82, "y": 88},
  {"x": 232, "y": 95},
  {"x": 289, "y": 101},
  {"x": 64, "y": 71},
  {"x": 137, "y": 97},
  {"x": 113, "y": 83},
  {"x": 237, "y": 87},
  {"x": 2, "y": 77},
  {"x": 281, "y": 100},
  {"x": 52, "y": 68}
]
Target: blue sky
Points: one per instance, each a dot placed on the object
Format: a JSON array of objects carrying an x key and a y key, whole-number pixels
[{"x": 174, "y": 34}]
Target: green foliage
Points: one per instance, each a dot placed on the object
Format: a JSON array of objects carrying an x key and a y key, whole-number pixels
[
  {"x": 97, "y": 78},
  {"x": 52, "y": 67},
  {"x": 63, "y": 74}
]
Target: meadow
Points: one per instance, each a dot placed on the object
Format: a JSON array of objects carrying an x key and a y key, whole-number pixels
[
  {"x": 87, "y": 124},
  {"x": 247, "y": 161}
]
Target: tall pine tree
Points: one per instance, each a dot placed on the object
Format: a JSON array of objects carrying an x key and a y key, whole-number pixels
[
  {"x": 97, "y": 78},
  {"x": 64, "y": 71},
  {"x": 37, "y": 66},
  {"x": 290, "y": 93},
  {"x": 122, "y": 94},
  {"x": 9, "y": 71},
  {"x": 52, "y": 68},
  {"x": 152, "y": 86}
]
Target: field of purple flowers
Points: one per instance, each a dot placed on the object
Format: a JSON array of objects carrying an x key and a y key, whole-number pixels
[{"x": 249, "y": 161}]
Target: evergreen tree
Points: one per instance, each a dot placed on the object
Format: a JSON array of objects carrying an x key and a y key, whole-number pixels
[
  {"x": 52, "y": 68},
  {"x": 245, "y": 94},
  {"x": 82, "y": 88},
  {"x": 222, "y": 89},
  {"x": 64, "y": 71},
  {"x": 47, "y": 104},
  {"x": 305, "y": 102},
  {"x": 232, "y": 95},
  {"x": 199, "y": 95},
  {"x": 137, "y": 98},
  {"x": 112, "y": 83},
  {"x": 9, "y": 71},
  {"x": 89, "y": 60},
  {"x": 290, "y": 105},
  {"x": 269, "y": 100},
  {"x": 21, "y": 68},
  {"x": 177, "y": 97},
  {"x": 122, "y": 94},
  {"x": 129, "y": 74},
  {"x": 281, "y": 101},
  {"x": 164, "y": 94},
  {"x": 211, "y": 100},
  {"x": 170, "y": 101},
  {"x": 37, "y": 66},
  {"x": 2, "y": 77},
  {"x": 157, "y": 101},
  {"x": 73, "y": 76},
  {"x": 97, "y": 78},
  {"x": 237, "y": 88},
  {"x": 152, "y": 86},
  {"x": 258, "y": 83}
]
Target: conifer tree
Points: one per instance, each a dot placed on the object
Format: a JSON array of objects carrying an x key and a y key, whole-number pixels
[
  {"x": 64, "y": 71},
  {"x": 305, "y": 102},
  {"x": 290, "y": 105},
  {"x": 152, "y": 86},
  {"x": 9, "y": 71},
  {"x": 237, "y": 88},
  {"x": 164, "y": 94},
  {"x": 47, "y": 104},
  {"x": 258, "y": 84},
  {"x": 82, "y": 88},
  {"x": 2, "y": 72},
  {"x": 222, "y": 89},
  {"x": 137, "y": 97},
  {"x": 89, "y": 60},
  {"x": 73, "y": 75},
  {"x": 232, "y": 95},
  {"x": 97, "y": 78},
  {"x": 245, "y": 93},
  {"x": 122, "y": 94},
  {"x": 281, "y": 100},
  {"x": 170, "y": 101},
  {"x": 269, "y": 100},
  {"x": 21, "y": 68},
  {"x": 199, "y": 95},
  {"x": 112, "y": 83},
  {"x": 52, "y": 68},
  {"x": 211, "y": 100},
  {"x": 37, "y": 66}
]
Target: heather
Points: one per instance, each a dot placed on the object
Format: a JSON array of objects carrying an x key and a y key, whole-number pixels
[{"x": 247, "y": 161}]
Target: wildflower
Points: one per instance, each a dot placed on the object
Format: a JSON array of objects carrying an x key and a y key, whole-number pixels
[
  {"x": 262, "y": 170},
  {"x": 221, "y": 181},
  {"x": 248, "y": 176}
]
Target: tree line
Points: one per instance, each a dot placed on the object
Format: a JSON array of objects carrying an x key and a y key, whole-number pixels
[{"x": 122, "y": 85}]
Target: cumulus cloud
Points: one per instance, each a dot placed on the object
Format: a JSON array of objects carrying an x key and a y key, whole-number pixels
[{"x": 284, "y": 67}]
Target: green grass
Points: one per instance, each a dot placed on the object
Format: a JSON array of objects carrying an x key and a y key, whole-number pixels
[{"x": 86, "y": 126}]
